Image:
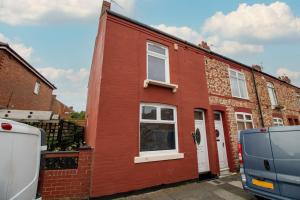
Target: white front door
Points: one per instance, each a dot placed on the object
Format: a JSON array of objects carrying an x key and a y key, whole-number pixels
[
  {"x": 220, "y": 141},
  {"x": 201, "y": 142}
]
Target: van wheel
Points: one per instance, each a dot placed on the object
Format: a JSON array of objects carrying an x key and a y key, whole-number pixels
[{"x": 260, "y": 198}]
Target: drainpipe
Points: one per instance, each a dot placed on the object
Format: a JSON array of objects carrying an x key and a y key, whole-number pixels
[{"x": 258, "y": 100}]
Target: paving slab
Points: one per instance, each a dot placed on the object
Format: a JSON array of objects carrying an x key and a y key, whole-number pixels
[{"x": 226, "y": 188}]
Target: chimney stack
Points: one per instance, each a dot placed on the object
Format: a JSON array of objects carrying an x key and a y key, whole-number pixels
[
  {"x": 285, "y": 79},
  {"x": 257, "y": 67},
  {"x": 204, "y": 45},
  {"x": 105, "y": 6}
]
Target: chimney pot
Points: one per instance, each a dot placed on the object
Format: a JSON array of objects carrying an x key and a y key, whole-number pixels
[
  {"x": 204, "y": 45},
  {"x": 105, "y": 6},
  {"x": 285, "y": 79},
  {"x": 257, "y": 67}
]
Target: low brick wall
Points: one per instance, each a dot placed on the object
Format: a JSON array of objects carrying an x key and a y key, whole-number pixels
[{"x": 67, "y": 183}]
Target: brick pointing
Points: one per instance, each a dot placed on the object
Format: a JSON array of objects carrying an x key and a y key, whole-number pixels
[{"x": 71, "y": 184}]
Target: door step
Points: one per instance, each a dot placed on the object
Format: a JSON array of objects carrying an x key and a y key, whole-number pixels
[{"x": 225, "y": 172}]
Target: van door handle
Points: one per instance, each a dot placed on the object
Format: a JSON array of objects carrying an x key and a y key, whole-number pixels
[{"x": 267, "y": 165}]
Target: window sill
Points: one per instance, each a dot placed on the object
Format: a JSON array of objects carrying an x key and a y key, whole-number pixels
[
  {"x": 148, "y": 82},
  {"x": 153, "y": 158}
]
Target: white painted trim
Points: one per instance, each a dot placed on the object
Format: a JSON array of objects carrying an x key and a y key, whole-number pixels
[
  {"x": 159, "y": 157},
  {"x": 148, "y": 82},
  {"x": 245, "y": 82},
  {"x": 244, "y": 120},
  {"x": 165, "y": 57},
  {"x": 277, "y": 123},
  {"x": 158, "y": 120}
]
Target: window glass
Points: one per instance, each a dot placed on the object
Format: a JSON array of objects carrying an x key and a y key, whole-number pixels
[
  {"x": 248, "y": 117},
  {"x": 37, "y": 87},
  {"x": 158, "y": 128},
  {"x": 217, "y": 116},
  {"x": 157, "y": 63},
  {"x": 157, "y": 136},
  {"x": 156, "y": 49},
  {"x": 272, "y": 94},
  {"x": 241, "y": 126},
  {"x": 277, "y": 122},
  {"x": 238, "y": 84},
  {"x": 198, "y": 115},
  {"x": 156, "y": 69},
  {"x": 243, "y": 88},
  {"x": 249, "y": 125},
  {"x": 240, "y": 116},
  {"x": 149, "y": 112},
  {"x": 167, "y": 114},
  {"x": 244, "y": 121}
]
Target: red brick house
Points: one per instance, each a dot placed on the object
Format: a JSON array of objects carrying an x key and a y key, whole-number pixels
[
  {"x": 21, "y": 86},
  {"x": 161, "y": 110}
]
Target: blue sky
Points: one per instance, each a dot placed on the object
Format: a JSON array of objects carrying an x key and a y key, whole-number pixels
[{"x": 57, "y": 37}]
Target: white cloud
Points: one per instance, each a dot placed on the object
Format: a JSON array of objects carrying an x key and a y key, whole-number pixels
[
  {"x": 19, "y": 47},
  {"x": 293, "y": 75},
  {"x": 224, "y": 47},
  {"x": 183, "y": 32},
  {"x": 71, "y": 84},
  {"x": 259, "y": 21},
  {"x": 234, "y": 47},
  {"x": 20, "y": 12}
]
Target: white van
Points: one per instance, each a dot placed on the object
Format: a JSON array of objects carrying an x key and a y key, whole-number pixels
[{"x": 20, "y": 152}]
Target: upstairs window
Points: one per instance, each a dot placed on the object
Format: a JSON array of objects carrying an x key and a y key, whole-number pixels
[
  {"x": 158, "y": 129},
  {"x": 37, "y": 87},
  {"x": 277, "y": 121},
  {"x": 238, "y": 84},
  {"x": 244, "y": 121},
  {"x": 157, "y": 63},
  {"x": 272, "y": 94}
]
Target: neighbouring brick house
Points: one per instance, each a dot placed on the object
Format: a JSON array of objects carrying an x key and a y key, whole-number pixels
[
  {"x": 161, "y": 110},
  {"x": 60, "y": 108},
  {"x": 22, "y": 87},
  {"x": 246, "y": 97}
]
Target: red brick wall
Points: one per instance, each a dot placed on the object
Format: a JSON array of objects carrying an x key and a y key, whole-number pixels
[
  {"x": 68, "y": 183},
  {"x": 17, "y": 83},
  {"x": 113, "y": 110}
]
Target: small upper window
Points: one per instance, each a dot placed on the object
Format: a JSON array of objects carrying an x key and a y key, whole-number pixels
[
  {"x": 157, "y": 63},
  {"x": 272, "y": 94},
  {"x": 37, "y": 87},
  {"x": 244, "y": 121},
  {"x": 238, "y": 84},
  {"x": 277, "y": 121}
]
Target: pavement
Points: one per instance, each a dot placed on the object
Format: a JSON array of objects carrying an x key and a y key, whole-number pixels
[{"x": 226, "y": 188}]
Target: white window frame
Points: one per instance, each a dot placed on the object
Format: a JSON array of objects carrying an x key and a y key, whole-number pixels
[
  {"x": 273, "y": 95},
  {"x": 277, "y": 121},
  {"x": 149, "y": 156},
  {"x": 37, "y": 88},
  {"x": 243, "y": 120},
  {"x": 160, "y": 56},
  {"x": 238, "y": 85}
]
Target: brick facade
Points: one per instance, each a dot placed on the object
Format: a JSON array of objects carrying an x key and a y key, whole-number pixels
[
  {"x": 72, "y": 184},
  {"x": 117, "y": 88},
  {"x": 17, "y": 84},
  {"x": 219, "y": 89}
]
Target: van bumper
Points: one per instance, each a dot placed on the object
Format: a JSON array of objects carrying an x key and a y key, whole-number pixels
[{"x": 265, "y": 194}]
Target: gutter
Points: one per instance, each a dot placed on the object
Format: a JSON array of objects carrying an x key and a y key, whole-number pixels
[
  {"x": 258, "y": 99},
  {"x": 24, "y": 62}
]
